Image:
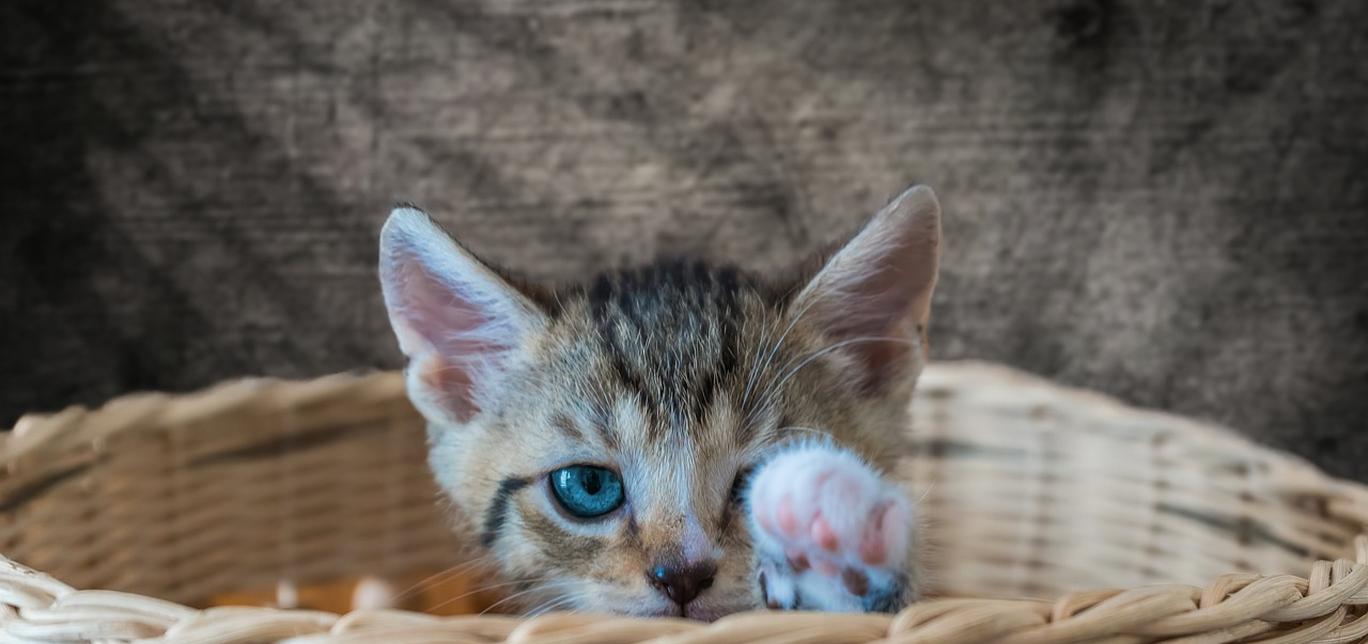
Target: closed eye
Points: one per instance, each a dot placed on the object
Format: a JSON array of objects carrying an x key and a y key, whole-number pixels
[
  {"x": 736, "y": 497},
  {"x": 739, "y": 485}
]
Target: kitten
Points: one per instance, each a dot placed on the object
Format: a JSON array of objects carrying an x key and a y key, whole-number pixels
[{"x": 679, "y": 439}]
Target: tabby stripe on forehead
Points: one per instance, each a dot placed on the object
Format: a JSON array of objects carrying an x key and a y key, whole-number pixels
[
  {"x": 566, "y": 426},
  {"x": 603, "y": 425},
  {"x": 619, "y": 359},
  {"x": 498, "y": 509}
]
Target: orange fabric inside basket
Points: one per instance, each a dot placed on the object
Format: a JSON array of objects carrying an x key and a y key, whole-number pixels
[{"x": 458, "y": 595}]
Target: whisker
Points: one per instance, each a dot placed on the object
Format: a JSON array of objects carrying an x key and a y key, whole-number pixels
[
  {"x": 488, "y": 587},
  {"x": 831, "y": 262},
  {"x": 442, "y": 576},
  {"x": 774, "y": 349},
  {"x": 541, "y": 608},
  {"x": 755, "y": 367},
  {"x": 756, "y": 449},
  {"x": 551, "y": 605},
  {"x": 763, "y": 403},
  {"x": 521, "y": 594},
  {"x": 806, "y": 360}
]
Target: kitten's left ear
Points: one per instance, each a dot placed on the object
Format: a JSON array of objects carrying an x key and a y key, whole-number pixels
[{"x": 875, "y": 293}]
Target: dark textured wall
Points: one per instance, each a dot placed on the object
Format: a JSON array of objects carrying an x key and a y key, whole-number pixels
[{"x": 1162, "y": 200}]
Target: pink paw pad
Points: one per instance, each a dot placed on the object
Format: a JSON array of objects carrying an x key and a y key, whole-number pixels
[
  {"x": 824, "y": 535},
  {"x": 835, "y": 533}
]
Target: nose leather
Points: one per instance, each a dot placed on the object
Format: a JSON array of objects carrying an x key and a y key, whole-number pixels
[{"x": 682, "y": 582}]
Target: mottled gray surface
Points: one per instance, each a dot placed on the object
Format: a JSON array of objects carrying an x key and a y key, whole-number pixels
[{"x": 1163, "y": 200}]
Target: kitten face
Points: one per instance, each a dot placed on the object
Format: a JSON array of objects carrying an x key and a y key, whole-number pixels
[{"x": 599, "y": 439}]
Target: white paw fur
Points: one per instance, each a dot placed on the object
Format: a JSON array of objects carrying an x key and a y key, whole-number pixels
[{"x": 829, "y": 533}]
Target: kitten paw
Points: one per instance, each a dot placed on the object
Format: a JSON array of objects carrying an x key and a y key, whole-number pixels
[{"x": 830, "y": 534}]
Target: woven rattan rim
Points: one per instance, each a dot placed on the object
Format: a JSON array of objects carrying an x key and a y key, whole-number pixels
[
  {"x": 1326, "y": 606},
  {"x": 1242, "y": 607}
]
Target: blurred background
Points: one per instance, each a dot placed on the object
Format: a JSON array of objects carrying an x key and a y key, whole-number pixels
[{"x": 1164, "y": 201}]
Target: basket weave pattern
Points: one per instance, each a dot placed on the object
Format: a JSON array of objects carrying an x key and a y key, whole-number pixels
[{"x": 1034, "y": 496}]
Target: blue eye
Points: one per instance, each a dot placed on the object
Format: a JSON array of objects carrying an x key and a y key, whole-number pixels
[{"x": 586, "y": 491}]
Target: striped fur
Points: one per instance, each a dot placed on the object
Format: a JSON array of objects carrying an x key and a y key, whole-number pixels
[{"x": 680, "y": 376}]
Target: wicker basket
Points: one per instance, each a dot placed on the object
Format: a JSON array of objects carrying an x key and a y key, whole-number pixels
[{"x": 1044, "y": 504}]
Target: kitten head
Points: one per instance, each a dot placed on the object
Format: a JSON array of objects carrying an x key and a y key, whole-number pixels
[{"x": 597, "y": 438}]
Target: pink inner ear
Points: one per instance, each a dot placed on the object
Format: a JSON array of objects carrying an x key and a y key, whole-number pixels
[
  {"x": 444, "y": 331},
  {"x": 875, "y": 300},
  {"x": 453, "y": 389},
  {"x": 875, "y": 317},
  {"x": 879, "y": 286}
]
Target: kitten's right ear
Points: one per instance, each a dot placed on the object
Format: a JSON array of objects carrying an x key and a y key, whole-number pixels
[{"x": 458, "y": 322}]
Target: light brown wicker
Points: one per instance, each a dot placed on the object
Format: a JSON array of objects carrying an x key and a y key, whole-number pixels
[{"x": 1035, "y": 497}]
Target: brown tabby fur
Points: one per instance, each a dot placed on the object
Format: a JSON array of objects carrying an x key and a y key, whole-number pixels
[
  {"x": 650, "y": 367},
  {"x": 679, "y": 376}
]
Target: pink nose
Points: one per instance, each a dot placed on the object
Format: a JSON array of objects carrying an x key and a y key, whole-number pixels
[{"x": 682, "y": 583}]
